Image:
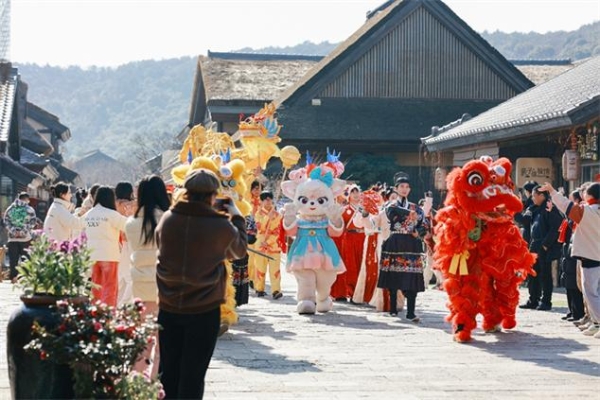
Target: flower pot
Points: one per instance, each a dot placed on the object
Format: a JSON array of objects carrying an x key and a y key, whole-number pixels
[{"x": 31, "y": 377}]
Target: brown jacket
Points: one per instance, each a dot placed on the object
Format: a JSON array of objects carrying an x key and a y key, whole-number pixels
[{"x": 193, "y": 241}]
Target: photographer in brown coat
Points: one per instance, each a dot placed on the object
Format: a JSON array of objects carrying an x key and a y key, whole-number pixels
[{"x": 194, "y": 240}]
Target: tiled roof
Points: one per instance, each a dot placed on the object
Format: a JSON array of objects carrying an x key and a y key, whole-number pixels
[
  {"x": 66, "y": 174},
  {"x": 31, "y": 158},
  {"x": 31, "y": 139},
  {"x": 8, "y": 87},
  {"x": 49, "y": 120},
  {"x": 16, "y": 171},
  {"x": 543, "y": 107}
]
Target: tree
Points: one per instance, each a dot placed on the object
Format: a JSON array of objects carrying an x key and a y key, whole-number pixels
[{"x": 368, "y": 169}]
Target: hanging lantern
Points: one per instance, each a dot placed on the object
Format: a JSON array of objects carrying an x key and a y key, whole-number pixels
[
  {"x": 440, "y": 178},
  {"x": 571, "y": 165}
]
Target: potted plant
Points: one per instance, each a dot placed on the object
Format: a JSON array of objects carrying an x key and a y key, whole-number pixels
[
  {"x": 52, "y": 271},
  {"x": 101, "y": 344}
]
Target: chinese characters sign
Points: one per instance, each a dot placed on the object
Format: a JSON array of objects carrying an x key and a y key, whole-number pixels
[{"x": 533, "y": 169}]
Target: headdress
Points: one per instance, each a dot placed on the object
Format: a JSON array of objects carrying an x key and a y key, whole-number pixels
[{"x": 401, "y": 177}]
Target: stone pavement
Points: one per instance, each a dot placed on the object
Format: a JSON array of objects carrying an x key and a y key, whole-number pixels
[{"x": 354, "y": 352}]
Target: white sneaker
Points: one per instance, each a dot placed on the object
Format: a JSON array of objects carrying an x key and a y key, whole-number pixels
[
  {"x": 585, "y": 326},
  {"x": 597, "y": 335},
  {"x": 592, "y": 330}
]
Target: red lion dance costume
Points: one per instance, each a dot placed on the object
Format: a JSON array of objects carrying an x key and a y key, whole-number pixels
[{"x": 480, "y": 250}]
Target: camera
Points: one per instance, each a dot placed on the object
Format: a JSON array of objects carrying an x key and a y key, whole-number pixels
[{"x": 222, "y": 204}]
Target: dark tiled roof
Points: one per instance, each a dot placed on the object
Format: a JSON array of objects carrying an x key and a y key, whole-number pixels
[
  {"x": 16, "y": 171},
  {"x": 31, "y": 158},
  {"x": 8, "y": 87},
  {"x": 65, "y": 174},
  {"x": 38, "y": 164},
  {"x": 548, "y": 106},
  {"x": 31, "y": 139},
  {"x": 49, "y": 120}
]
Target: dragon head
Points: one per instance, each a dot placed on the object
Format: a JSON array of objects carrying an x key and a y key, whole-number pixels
[{"x": 484, "y": 186}]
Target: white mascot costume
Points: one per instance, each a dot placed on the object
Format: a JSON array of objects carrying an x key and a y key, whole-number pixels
[{"x": 312, "y": 219}]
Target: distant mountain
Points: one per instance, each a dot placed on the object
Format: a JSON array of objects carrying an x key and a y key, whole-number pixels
[
  {"x": 115, "y": 109},
  {"x": 305, "y": 48},
  {"x": 133, "y": 111},
  {"x": 576, "y": 45}
]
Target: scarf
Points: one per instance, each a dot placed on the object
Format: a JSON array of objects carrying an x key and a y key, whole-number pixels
[{"x": 562, "y": 230}]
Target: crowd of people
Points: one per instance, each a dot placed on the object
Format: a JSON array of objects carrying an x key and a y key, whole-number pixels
[
  {"x": 169, "y": 251},
  {"x": 567, "y": 243}
]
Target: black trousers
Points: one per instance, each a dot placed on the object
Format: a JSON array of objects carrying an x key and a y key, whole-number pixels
[
  {"x": 540, "y": 286},
  {"x": 411, "y": 299},
  {"x": 575, "y": 303},
  {"x": 15, "y": 251},
  {"x": 187, "y": 342}
]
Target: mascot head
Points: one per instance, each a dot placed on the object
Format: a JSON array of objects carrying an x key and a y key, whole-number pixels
[
  {"x": 313, "y": 193},
  {"x": 483, "y": 186},
  {"x": 230, "y": 174}
]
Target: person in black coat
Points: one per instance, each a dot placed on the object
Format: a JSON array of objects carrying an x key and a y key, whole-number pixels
[
  {"x": 527, "y": 198},
  {"x": 545, "y": 221},
  {"x": 569, "y": 266}
]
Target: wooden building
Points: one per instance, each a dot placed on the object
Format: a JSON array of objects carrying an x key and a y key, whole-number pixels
[
  {"x": 98, "y": 167},
  {"x": 230, "y": 86},
  {"x": 14, "y": 177},
  {"x": 30, "y": 140},
  {"x": 412, "y": 65},
  {"x": 534, "y": 129}
]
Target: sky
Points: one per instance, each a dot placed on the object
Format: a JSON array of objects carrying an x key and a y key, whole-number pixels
[{"x": 115, "y": 32}]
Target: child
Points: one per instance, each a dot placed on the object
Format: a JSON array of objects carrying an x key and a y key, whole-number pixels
[{"x": 268, "y": 223}]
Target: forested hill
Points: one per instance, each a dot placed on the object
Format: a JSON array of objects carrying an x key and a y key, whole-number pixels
[
  {"x": 143, "y": 104},
  {"x": 114, "y": 109},
  {"x": 575, "y": 45}
]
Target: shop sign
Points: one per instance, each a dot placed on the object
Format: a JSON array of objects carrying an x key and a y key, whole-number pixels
[{"x": 533, "y": 169}]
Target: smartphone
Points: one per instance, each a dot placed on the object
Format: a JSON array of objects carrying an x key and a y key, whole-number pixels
[{"x": 221, "y": 204}]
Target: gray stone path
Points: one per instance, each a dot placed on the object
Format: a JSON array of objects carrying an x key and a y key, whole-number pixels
[{"x": 354, "y": 352}]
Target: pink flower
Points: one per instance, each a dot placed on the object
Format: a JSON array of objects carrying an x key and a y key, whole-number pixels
[
  {"x": 74, "y": 246},
  {"x": 64, "y": 246},
  {"x": 97, "y": 326}
]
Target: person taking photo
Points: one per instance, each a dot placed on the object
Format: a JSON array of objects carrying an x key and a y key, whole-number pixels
[{"x": 193, "y": 239}]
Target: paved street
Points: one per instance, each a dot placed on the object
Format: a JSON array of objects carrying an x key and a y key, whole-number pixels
[{"x": 354, "y": 352}]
